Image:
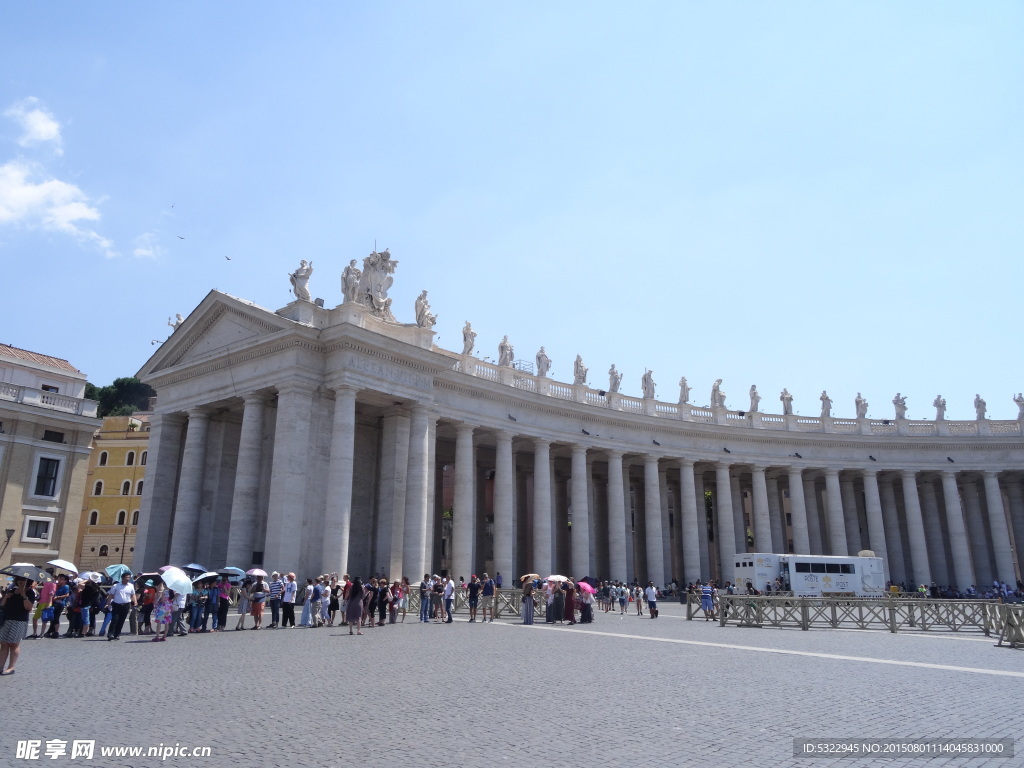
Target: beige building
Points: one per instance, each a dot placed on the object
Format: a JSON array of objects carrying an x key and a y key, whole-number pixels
[
  {"x": 46, "y": 427},
  {"x": 110, "y": 510}
]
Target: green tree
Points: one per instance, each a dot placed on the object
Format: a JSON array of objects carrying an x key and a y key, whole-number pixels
[{"x": 122, "y": 398}]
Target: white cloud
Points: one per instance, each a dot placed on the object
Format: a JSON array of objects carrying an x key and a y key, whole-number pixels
[
  {"x": 49, "y": 204},
  {"x": 146, "y": 247},
  {"x": 37, "y": 124}
]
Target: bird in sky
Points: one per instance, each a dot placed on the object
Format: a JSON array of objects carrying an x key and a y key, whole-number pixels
[
  {"x": 228, "y": 258},
  {"x": 180, "y": 237}
]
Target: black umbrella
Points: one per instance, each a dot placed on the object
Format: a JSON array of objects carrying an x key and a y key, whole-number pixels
[
  {"x": 591, "y": 581},
  {"x": 29, "y": 572}
]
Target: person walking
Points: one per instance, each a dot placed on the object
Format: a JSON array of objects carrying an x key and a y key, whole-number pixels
[
  {"x": 257, "y": 600},
  {"x": 242, "y": 602},
  {"x": 16, "y": 603},
  {"x": 163, "y": 609},
  {"x": 449, "y": 600},
  {"x": 404, "y": 602},
  {"x": 121, "y": 599},
  {"x": 490, "y": 597},
  {"x": 651, "y": 593},
  {"x": 291, "y": 589}
]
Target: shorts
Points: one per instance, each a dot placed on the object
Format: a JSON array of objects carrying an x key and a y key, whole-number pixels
[
  {"x": 38, "y": 612},
  {"x": 473, "y": 602},
  {"x": 622, "y": 602}
]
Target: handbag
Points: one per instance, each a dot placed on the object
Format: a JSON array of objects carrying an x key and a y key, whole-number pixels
[{"x": 47, "y": 614}]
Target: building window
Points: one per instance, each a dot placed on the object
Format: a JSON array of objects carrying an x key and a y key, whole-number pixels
[
  {"x": 103, "y": 550},
  {"x": 135, "y": 517},
  {"x": 121, "y": 517},
  {"x": 126, "y": 487},
  {"x": 46, "y": 477},
  {"x": 138, "y": 488},
  {"x": 37, "y": 528},
  {"x": 51, "y": 436},
  {"x": 94, "y": 517},
  {"x": 142, "y": 459},
  {"x": 103, "y": 459},
  {"x": 50, "y": 388},
  {"x": 130, "y": 461},
  {"x": 97, "y": 490}
]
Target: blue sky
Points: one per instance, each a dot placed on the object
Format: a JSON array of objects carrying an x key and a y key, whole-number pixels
[{"x": 803, "y": 195}]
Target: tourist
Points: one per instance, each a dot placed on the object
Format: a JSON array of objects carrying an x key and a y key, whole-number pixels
[
  {"x": 406, "y": 592},
  {"x": 199, "y": 597},
  {"x": 651, "y": 593},
  {"x": 449, "y": 600},
  {"x": 396, "y": 600},
  {"x": 73, "y": 610},
  {"x": 146, "y": 609},
  {"x": 46, "y": 592},
  {"x": 528, "y": 602},
  {"x": 354, "y": 607},
  {"x": 163, "y": 612},
  {"x": 371, "y": 592},
  {"x": 384, "y": 598},
  {"x": 490, "y": 597},
  {"x": 569, "y": 592},
  {"x": 211, "y": 608},
  {"x": 707, "y": 601},
  {"x": 425, "y": 589},
  {"x": 178, "y": 618},
  {"x": 325, "y": 601},
  {"x": 586, "y": 606},
  {"x": 274, "y": 592},
  {"x": 16, "y": 603},
  {"x": 436, "y": 597},
  {"x": 257, "y": 599},
  {"x": 549, "y": 601},
  {"x": 334, "y": 601},
  {"x": 223, "y": 602},
  {"x": 638, "y": 596},
  {"x": 59, "y": 599},
  {"x": 558, "y": 604},
  {"x": 120, "y": 600},
  {"x": 623, "y": 592},
  {"x": 473, "y": 592},
  {"x": 91, "y": 593},
  {"x": 241, "y": 594},
  {"x": 288, "y": 602}
]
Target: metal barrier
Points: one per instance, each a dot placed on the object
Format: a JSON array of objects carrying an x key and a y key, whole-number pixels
[
  {"x": 889, "y": 613},
  {"x": 509, "y": 603}
]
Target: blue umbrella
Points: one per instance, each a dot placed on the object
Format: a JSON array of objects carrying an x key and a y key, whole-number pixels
[
  {"x": 194, "y": 567},
  {"x": 116, "y": 571}
]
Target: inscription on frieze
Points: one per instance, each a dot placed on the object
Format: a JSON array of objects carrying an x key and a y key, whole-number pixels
[{"x": 387, "y": 371}]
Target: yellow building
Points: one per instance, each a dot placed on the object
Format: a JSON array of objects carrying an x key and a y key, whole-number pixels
[{"x": 110, "y": 510}]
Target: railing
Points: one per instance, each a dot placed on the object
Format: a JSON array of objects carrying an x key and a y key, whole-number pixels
[
  {"x": 522, "y": 382},
  {"x": 593, "y": 398},
  {"x": 632, "y": 404},
  {"x": 561, "y": 391},
  {"x": 510, "y": 603},
  {"x": 49, "y": 400},
  {"x": 893, "y": 614},
  {"x": 1012, "y": 619}
]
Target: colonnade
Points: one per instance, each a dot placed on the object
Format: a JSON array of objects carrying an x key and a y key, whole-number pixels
[{"x": 553, "y": 505}]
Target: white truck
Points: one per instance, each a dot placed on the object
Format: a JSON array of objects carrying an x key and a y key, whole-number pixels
[{"x": 812, "y": 575}]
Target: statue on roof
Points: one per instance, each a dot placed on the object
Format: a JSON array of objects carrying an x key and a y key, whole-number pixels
[
  {"x": 647, "y": 384},
  {"x": 374, "y": 282},
  {"x": 424, "y": 317},
  {"x": 350, "y": 281},
  {"x": 300, "y": 279}
]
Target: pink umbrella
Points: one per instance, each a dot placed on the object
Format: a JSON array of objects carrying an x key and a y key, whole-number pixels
[
  {"x": 256, "y": 572},
  {"x": 585, "y": 587}
]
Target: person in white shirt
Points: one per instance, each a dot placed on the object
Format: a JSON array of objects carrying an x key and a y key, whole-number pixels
[
  {"x": 120, "y": 601},
  {"x": 651, "y": 593},
  {"x": 288, "y": 601},
  {"x": 449, "y": 599}
]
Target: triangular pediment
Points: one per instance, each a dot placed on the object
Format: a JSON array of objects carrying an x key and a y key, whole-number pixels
[{"x": 219, "y": 322}]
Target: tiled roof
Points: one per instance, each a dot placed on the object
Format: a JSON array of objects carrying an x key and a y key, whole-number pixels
[{"x": 35, "y": 357}]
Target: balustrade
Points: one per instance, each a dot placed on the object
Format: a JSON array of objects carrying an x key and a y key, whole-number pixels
[{"x": 49, "y": 400}]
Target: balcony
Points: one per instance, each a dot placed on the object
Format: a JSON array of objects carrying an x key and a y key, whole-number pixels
[{"x": 51, "y": 400}]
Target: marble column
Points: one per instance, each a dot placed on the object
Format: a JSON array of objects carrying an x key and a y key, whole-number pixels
[
  {"x": 542, "y": 507},
  {"x": 157, "y": 510},
  {"x": 580, "y": 533},
  {"x": 962, "y": 567},
  {"x": 464, "y": 516},
  {"x": 798, "y": 512},
  {"x": 1015, "y": 499},
  {"x": 338, "y": 511},
  {"x": 670, "y": 559},
  {"x": 980, "y": 547},
  {"x": 726, "y": 526},
  {"x": 761, "y": 513},
  {"x": 849, "y": 497},
  {"x": 933, "y": 531},
  {"x": 875, "y": 522},
  {"x": 834, "y": 511},
  {"x": 813, "y": 515},
  {"x": 915, "y": 529},
  {"x": 616, "y": 518},
  {"x": 652, "y": 522},
  {"x": 393, "y": 485},
  {"x": 999, "y": 530},
  {"x": 688, "y": 523},
  {"x": 190, "y": 489},
  {"x": 775, "y": 517},
  {"x": 738, "y": 522},
  {"x": 289, "y": 477},
  {"x": 703, "y": 543},
  {"x": 504, "y": 523},
  {"x": 893, "y": 535},
  {"x": 415, "y": 558},
  {"x": 245, "y": 498}
]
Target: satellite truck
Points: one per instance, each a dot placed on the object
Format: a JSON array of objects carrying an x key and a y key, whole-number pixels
[{"x": 813, "y": 575}]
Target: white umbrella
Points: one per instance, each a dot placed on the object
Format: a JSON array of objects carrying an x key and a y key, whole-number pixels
[
  {"x": 66, "y": 565},
  {"x": 205, "y": 576},
  {"x": 556, "y": 577},
  {"x": 91, "y": 576},
  {"x": 178, "y": 580},
  {"x": 256, "y": 572}
]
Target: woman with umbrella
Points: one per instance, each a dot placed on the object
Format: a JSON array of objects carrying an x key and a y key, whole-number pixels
[
  {"x": 354, "y": 609},
  {"x": 17, "y": 602},
  {"x": 527, "y": 600}
]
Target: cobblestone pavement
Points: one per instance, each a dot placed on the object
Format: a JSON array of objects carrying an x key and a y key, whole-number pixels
[{"x": 619, "y": 692}]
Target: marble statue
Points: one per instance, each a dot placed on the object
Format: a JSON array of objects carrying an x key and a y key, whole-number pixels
[
  {"x": 300, "y": 279},
  {"x": 424, "y": 317},
  {"x": 374, "y": 282},
  {"x": 350, "y": 282},
  {"x": 468, "y": 339},
  {"x": 505, "y": 353},
  {"x": 176, "y": 322},
  {"x": 684, "y": 391},
  {"x": 861, "y": 407},
  {"x": 755, "y": 398},
  {"x": 579, "y": 371},
  {"x": 614, "y": 379},
  {"x": 787, "y": 402},
  {"x": 901, "y": 406},
  {"x": 1019, "y": 400},
  {"x": 717, "y": 395},
  {"x": 940, "y": 408},
  {"x": 543, "y": 363},
  {"x": 647, "y": 384},
  {"x": 979, "y": 407},
  {"x": 826, "y": 404}
]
